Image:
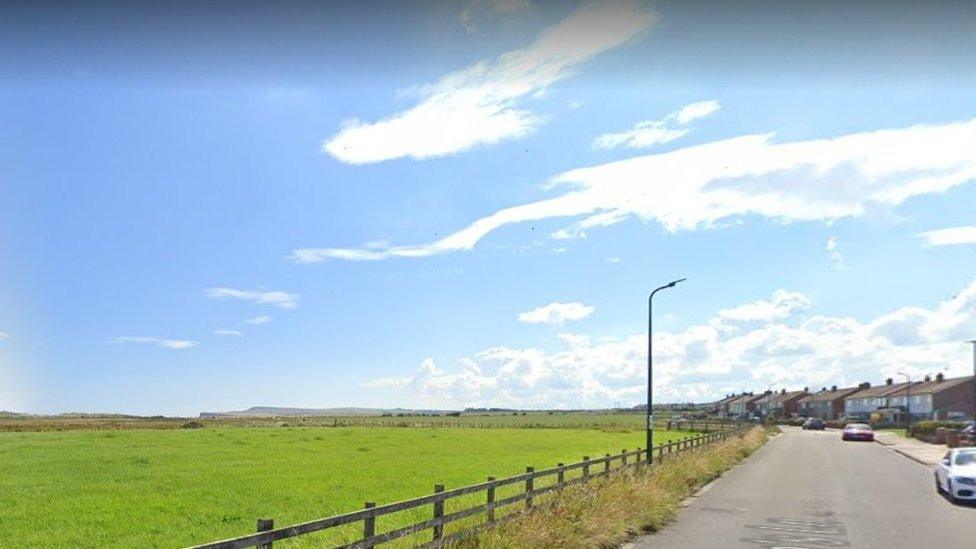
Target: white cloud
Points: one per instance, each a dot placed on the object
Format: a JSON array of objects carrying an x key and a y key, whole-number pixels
[
  {"x": 836, "y": 258},
  {"x": 613, "y": 260},
  {"x": 770, "y": 341},
  {"x": 4, "y": 335},
  {"x": 951, "y": 236},
  {"x": 280, "y": 299},
  {"x": 223, "y": 332},
  {"x": 159, "y": 342},
  {"x": 649, "y": 133},
  {"x": 480, "y": 105},
  {"x": 258, "y": 320},
  {"x": 556, "y": 313},
  {"x": 702, "y": 185},
  {"x": 783, "y": 304}
]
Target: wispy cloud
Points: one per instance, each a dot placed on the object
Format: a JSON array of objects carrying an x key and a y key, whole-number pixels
[
  {"x": 951, "y": 236},
  {"x": 258, "y": 320},
  {"x": 4, "y": 335},
  {"x": 280, "y": 299},
  {"x": 223, "y": 332},
  {"x": 482, "y": 103},
  {"x": 157, "y": 341},
  {"x": 649, "y": 133},
  {"x": 836, "y": 258},
  {"x": 556, "y": 313},
  {"x": 698, "y": 186}
]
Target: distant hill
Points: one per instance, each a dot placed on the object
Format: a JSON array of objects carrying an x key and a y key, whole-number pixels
[{"x": 274, "y": 411}]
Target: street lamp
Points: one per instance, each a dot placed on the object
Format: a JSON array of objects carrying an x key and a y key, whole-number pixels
[
  {"x": 908, "y": 405},
  {"x": 973, "y": 341},
  {"x": 650, "y": 364}
]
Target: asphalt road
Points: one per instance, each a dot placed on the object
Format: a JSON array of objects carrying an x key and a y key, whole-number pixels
[{"x": 808, "y": 489}]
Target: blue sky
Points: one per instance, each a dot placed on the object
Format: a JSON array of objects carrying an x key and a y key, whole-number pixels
[{"x": 465, "y": 203}]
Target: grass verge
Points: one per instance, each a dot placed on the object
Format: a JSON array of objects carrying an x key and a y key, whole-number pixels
[{"x": 609, "y": 512}]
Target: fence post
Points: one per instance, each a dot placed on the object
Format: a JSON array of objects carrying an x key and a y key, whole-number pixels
[
  {"x": 623, "y": 458},
  {"x": 606, "y": 465},
  {"x": 438, "y": 512},
  {"x": 660, "y": 453},
  {"x": 491, "y": 500},
  {"x": 586, "y": 468},
  {"x": 528, "y": 486},
  {"x": 560, "y": 476},
  {"x": 263, "y": 526},
  {"x": 369, "y": 525},
  {"x": 638, "y": 455}
]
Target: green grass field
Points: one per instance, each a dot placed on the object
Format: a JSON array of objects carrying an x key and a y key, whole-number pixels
[{"x": 177, "y": 487}]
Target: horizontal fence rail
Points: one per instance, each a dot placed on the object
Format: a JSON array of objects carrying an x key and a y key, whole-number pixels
[{"x": 580, "y": 472}]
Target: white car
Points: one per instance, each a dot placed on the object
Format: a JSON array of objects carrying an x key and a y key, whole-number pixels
[{"x": 955, "y": 475}]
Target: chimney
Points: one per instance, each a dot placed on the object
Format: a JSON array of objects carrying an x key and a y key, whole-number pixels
[
  {"x": 889, "y": 381},
  {"x": 865, "y": 385},
  {"x": 782, "y": 391},
  {"x": 806, "y": 389},
  {"x": 939, "y": 377},
  {"x": 768, "y": 392},
  {"x": 833, "y": 388},
  {"x": 928, "y": 377},
  {"x": 823, "y": 389}
]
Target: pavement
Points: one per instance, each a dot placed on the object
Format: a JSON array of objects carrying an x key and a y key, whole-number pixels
[
  {"x": 809, "y": 489},
  {"x": 922, "y": 452}
]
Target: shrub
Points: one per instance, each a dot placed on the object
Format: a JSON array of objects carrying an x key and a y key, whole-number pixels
[
  {"x": 928, "y": 427},
  {"x": 192, "y": 424}
]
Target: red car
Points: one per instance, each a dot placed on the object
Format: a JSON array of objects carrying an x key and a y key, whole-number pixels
[{"x": 858, "y": 431}]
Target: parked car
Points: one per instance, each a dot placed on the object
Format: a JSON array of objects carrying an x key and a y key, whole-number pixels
[
  {"x": 813, "y": 424},
  {"x": 858, "y": 431},
  {"x": 955, "y": 475}
]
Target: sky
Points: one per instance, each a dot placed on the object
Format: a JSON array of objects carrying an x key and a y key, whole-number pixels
[{"x": 443, "y": 204}]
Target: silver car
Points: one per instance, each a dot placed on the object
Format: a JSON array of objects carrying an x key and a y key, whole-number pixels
[{"x": 955, "y": 476}]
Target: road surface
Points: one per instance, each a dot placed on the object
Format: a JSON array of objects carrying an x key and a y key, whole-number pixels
[{"x": 808, "y": 489}]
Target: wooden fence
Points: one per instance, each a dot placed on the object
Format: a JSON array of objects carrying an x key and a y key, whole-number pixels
[
  {"x": 560, "y": 477},
  {"x": 700, "y": 425}
]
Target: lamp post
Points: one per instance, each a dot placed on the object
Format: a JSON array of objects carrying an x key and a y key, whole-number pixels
[
  {"x": 650, "y": 364},
  {"x": 908, "y": 405},
  {"x": 973, "y": 341}
]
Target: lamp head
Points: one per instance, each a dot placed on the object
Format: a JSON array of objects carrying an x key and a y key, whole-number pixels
[{"x": 672, "y": 284}]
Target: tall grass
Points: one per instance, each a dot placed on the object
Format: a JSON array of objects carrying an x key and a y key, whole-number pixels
[{"x": 609, "y": 512}]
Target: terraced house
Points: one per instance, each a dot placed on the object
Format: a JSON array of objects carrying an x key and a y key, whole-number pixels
[
  {"x": 779, "y": 404},
  {"x": 938, "y": 398},
  {"x": 868, "y": 400},
  {"x": 826, "y": 403},
  {"x": 744, "y": 406}
]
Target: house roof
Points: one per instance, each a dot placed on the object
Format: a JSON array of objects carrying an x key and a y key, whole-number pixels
[
  {"x": 745, "y": 399},
  {"x": 882, "y": 390},
  {"x": 790, "y": 395},
  {"x": 931, "y": 387},
  {"x": 725, "y": 400},
  {"x": 829, "y": 394},
  {"x": 779, "y": 397}
]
